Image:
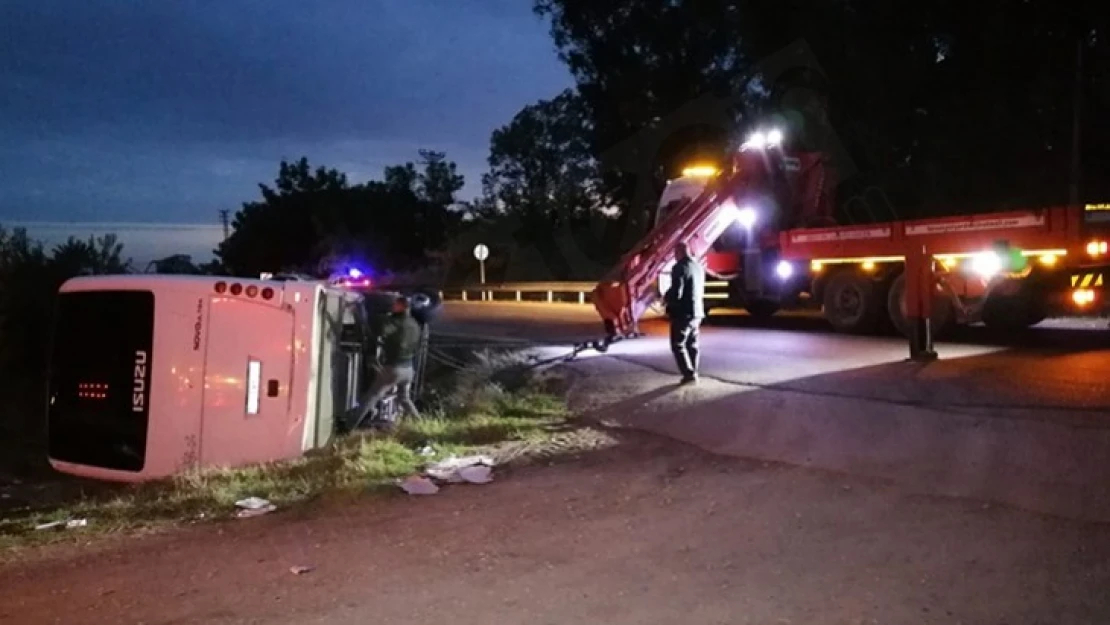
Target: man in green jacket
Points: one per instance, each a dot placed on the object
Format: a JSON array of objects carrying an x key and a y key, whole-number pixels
[{"x": 396, "y": 365}]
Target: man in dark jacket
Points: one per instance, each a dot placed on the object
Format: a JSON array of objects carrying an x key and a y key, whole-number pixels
[
  {"x": 686, "y": 309},
  {"x": 396, "y": 366}
]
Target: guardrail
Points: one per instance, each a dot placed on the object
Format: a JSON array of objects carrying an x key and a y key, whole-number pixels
[
  {"x": 545, "y": 292},
  {"x": 550, "y": 292}
]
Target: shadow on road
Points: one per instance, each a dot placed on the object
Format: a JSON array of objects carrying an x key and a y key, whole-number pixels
[
  {"x": 617, "y": 411},
  {"x": 1067, "y": 385}
]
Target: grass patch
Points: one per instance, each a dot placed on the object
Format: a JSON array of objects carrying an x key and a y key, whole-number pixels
[{"x": 479, "y": 415}]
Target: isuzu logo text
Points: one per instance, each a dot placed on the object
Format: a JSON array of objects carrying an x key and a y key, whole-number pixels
[
  {"x": 138, "y": 388},
  {"x": 198, "y": 325}
]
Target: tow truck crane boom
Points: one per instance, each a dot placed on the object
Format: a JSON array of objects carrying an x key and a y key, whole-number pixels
[{"x": 628, "y": 290}]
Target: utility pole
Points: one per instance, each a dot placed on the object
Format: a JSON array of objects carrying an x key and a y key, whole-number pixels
[
  {"x": 1076, "y": 125},
  {"x": 225, "y": 221}
]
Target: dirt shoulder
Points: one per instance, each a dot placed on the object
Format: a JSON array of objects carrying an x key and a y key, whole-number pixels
[{"x": 648, "y": 532}]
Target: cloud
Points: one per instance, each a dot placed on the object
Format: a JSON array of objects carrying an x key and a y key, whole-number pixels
[{"x": 172, "y": 110}]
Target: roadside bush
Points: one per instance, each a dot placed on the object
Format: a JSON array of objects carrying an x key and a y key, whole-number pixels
[{"x": 30, "y": 277}]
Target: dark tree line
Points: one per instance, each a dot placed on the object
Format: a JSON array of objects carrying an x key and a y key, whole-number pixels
[
  {"x": 944, "y": 106},
  {"x": 312, "y": 219},
  {"x": 926, "y": 109},
  {"x": 30, "y": 276}
]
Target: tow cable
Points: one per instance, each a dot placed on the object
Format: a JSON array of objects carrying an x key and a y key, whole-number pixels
[{"x": 602, "y": 345}]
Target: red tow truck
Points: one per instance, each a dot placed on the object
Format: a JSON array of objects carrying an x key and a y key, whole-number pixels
[{"x": 764, "y": 228}]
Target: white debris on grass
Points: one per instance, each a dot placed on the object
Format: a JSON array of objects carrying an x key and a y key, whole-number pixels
[
  {"x": 476, "y": 474},
  {"x": 451, "y": 470},
  {"x": 68, "y": 524},
  {"x": 417, "y": 485},
  {"x": 455, "y": 470},
  {"x": 253, "y": 506}
]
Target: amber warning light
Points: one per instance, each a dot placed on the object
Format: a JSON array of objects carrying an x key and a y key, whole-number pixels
[{"x": 700, "y": 171}]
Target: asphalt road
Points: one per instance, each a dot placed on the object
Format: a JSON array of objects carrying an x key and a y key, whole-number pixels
[
  {"x": 1057, "y": 367},
  {"x": 1022, "y": 420}
]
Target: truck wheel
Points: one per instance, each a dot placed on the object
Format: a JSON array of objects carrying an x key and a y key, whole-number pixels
[
  {"x": 761, "y": 309},
  {"x": 941, "y": 318},
  {"x": 851, "y": 303}
]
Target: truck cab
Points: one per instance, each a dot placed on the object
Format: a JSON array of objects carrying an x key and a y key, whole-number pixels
[{"x": 744, "y": 261}]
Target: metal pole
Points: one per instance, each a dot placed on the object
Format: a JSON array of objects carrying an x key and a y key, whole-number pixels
[
  {"x": 919, "y": 298},
  {"x": 225, "y": 221},
  {"x": 482, "y": 276}
]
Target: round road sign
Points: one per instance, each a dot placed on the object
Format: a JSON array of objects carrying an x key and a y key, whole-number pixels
[{"x": 481, "y": 252}]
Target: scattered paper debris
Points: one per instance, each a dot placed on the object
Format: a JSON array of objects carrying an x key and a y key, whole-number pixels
[
  {"x": 253, "y": 506},
  {"x": 301, "y": 570},
  {"x": 451, "y": 470},
  {"x": 252, "y": 503},
  {"x": 417, "y": 485},
  {"x": 69, "y": 524},
  {"x": 477, "y": 474}
]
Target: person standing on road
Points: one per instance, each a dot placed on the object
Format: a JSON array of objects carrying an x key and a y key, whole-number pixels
[
  {"x": 686, "y": 309},
  {"x": 396, "y": 366}
]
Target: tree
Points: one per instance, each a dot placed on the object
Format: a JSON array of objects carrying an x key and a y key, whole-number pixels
[
  {"x": 440, "y": 180},
  {"x": 544, "y": 199},
  {"x": 541, "y": 168},
  {"x": 638, "y": 61},
  {"x": 437, "y": 182},
  {"x": 283, "y": 231},
  {"x": 29, "y": 283},
  {"x": 176, "y": 264},
  {"x": 1003, "y": 101},
  {"x": 402, "y": 177},
  {"x": 312, "y": 218},
  {"x": 95, "y": 256}
]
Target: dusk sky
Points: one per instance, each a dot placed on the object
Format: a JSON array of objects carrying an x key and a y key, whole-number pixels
[{"x": 169, "y": 110}]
